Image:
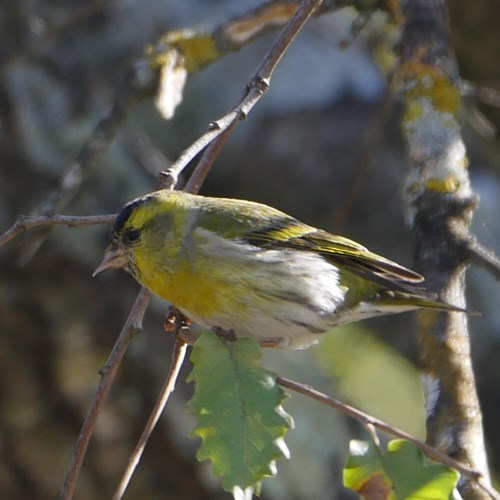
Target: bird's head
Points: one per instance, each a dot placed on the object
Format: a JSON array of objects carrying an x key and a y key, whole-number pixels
[{"x": 135, "y": 228}]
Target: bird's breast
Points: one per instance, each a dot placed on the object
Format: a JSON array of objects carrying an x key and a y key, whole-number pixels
[{"x": 256, "y": 292}]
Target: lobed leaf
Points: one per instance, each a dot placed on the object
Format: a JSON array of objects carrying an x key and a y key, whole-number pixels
[{"x": 238, "y": 407}]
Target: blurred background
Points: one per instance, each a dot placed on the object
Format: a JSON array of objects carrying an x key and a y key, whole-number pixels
[{"x": 323, "y": 144}]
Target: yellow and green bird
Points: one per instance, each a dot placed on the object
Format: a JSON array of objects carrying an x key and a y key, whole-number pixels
[{"x": 253, "y": 270}]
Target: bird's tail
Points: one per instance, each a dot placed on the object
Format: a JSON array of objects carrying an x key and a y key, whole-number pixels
[{"x": 403, "y": 300}]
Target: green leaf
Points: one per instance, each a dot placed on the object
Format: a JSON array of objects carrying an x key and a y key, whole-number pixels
[
  {"x": 365, "y": 468},
  {"x": 402, "y": 472},
  {"x": 238, "y": 407}
]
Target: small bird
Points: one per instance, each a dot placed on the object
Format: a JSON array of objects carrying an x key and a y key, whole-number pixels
[{"x": 254, "y": 271}]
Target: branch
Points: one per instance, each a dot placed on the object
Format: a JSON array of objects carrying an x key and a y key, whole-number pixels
[
  {"x": 205, "y": 164},
  {"x": 169, "y": 179},
  {"x": 25, "y": 222},
  {"x": 251, "y": 96},
  {"x": 483, "y": 93},
  {"x": 140, "y": 82},
  {"x": 199, "y": 48},
  {"x": 440, "y": 202},
  {"x": 483, "y": 257},
  {"x": 368, "y": 421},
  {"x": 178, "y": 356},
  {"x": 132, "y": 326},
  {"x": 259, "y": 83}
]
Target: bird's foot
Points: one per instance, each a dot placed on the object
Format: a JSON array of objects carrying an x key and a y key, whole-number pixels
[
  {"x": 178, "y": 324},
  {"x": 228, "y": 335},
  {"x": 277, "y": 343}
]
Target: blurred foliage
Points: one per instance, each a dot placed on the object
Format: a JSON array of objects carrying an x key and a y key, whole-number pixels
[
  {"x": 322, "y": 145},
  {"x": 400, "y": 472},
  {"x": 374, "y": 377}
]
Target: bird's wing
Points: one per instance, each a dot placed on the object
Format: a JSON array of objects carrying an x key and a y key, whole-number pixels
[
  {"x": 271, "y": 228},
  {"x": 343, "y": 251}
]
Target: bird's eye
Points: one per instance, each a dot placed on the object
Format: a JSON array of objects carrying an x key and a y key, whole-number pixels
[{"x": 132, "y": 235}]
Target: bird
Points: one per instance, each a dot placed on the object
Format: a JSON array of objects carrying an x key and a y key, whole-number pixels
[{"x": 249, "y": 269}]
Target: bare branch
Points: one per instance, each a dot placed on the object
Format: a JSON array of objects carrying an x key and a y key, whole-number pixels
[
  {"x": 178, "y": 356},
  {"x": 132, "y": 326},
  {"x": 252, "y": 95},
  {"x": 483, "y": 93},
  {"x": 368, "y": 420},
  {"x": 25, "y": 222},
  {"x": 483, "y": 257},
  {"x": 205, "y": 164},
  {"x": 258, "y": 85},
  {"x": 140, "y": 82}
]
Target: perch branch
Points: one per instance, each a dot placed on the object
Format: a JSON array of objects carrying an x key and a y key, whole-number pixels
[
  {"x": 368, "y": 420},
  {"x": 25, "y": 222},
  {"x": 259, "y": 83},
  {"x": 205, "y": 164},
  {"x": 178, "y": 356},
  {"x": 132, "y": 326}
]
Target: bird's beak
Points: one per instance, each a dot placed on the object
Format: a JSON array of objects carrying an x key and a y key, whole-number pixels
[{"x": 114, "y": 258}]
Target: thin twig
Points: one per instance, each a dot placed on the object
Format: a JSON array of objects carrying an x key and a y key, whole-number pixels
[
  {"x": 132, "y": 326},
  {"x": 178, "y": 356},
  {"x": 367, "y": 420},
  {"x": 140, "y": 82},
  {"x": 25, "y": 222},
  {"x": 483, "y": 257},
  {"x": 223, "y": 128},
  {"x": 483, "y": 93},
  {"x": 205, "y": 164},
  {"x": 372, "y": 430},
  {"x": 259, "y": 83},
  {"x": 357, "y": 26},
  {"x": 255, "y": 90}
]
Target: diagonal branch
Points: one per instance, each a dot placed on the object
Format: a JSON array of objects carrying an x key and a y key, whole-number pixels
[
  {"x": 178, "y": 356},
  {"x": 483, "y": 257},
  {"x": 140, "y": 82},
  {"x": 259, "y": 83},
  {"x": 251, "y": 96},
  {"x": 132, "y": 326},
  {"x": 370, "y": 421}
]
